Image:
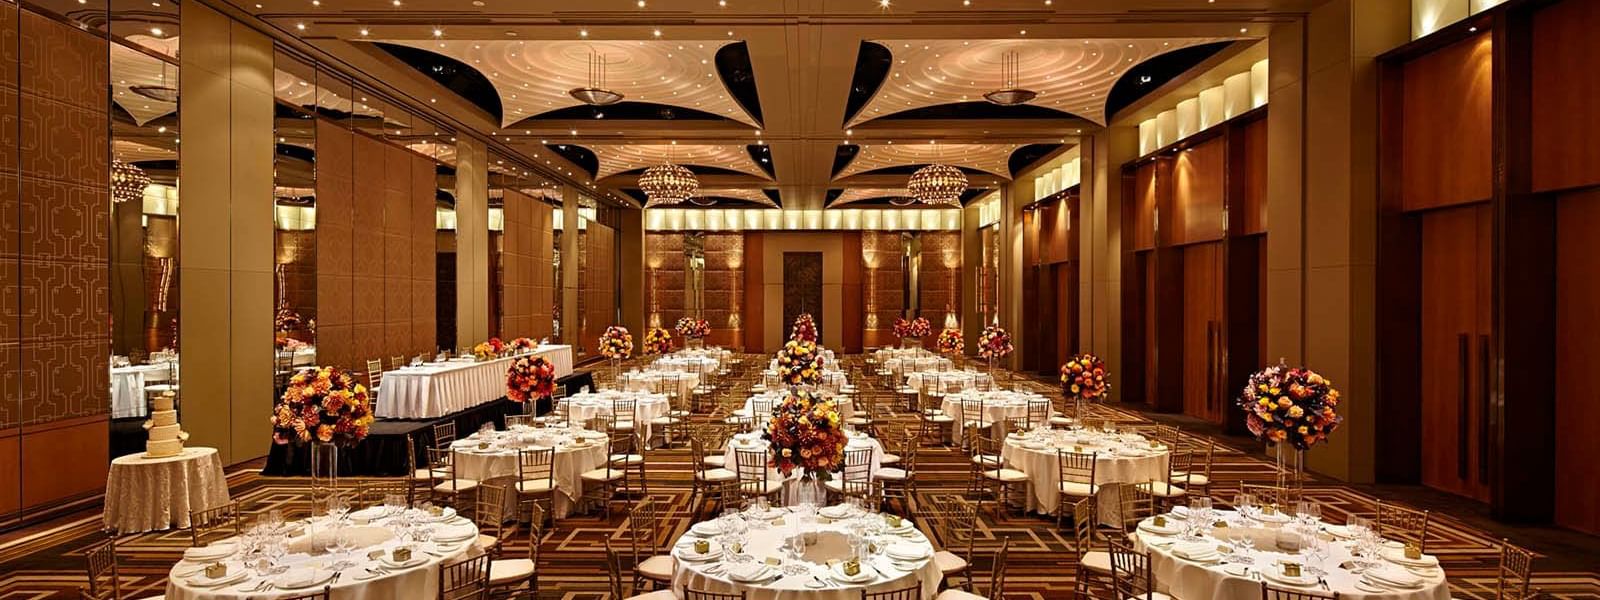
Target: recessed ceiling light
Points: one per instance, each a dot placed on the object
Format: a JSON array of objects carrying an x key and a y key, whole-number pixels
[
  {"x": 364, "y": 31},
  {"x": 300, "y": 26},
  {"x": 438, "y": 33},
  {"x": 656, "y": 33},
  {"x": 583, "y": 33},
  {"x": 155, "y": 31}
]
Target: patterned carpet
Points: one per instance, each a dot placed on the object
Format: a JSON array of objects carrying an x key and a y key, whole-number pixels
[{"x": 47, "y": 561}]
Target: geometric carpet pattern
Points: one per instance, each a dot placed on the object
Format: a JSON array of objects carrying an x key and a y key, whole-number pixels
[{"x": 47, "y": 561}]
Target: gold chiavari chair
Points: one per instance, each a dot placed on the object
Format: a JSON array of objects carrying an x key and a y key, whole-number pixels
[
  {"x": 491, "y": 517},
  {"x": 210, "y": 525},
  {"x": 1197, "y": 478},
  {"x": 465, "y": 579},
  {"x": 508, "y": 575},
  {"x": 997, "y": 577},
  {"x": 1166, "y": 434},
  {"x": 444, "y": 434},
  {"x": 644, "y": 533},
  {"x": 933, "y": 420},
  {"x": 1407, "y": 525},
  {"x": 105, "y": 582},
  {"x": 519, "y": 420},
  {"x": 973, "y": 414},
  {"x": 1130, "y": 573},
  {"x": 374, "y": 374},
  {"x": 626, "y": 449},
  {"x": 536, "y": 480},
  {"x": 1038, "y": 412},
  {"x": 1269, "y": 495},
  {"x": 322, "y": 595},
  {"x": 602, "y": 485},
  {"x": 1515, "y": 578},
  {"x": 899, "y": 482},
  {"x": 1276, "y": 593},
  {"x": 560, "y": 406},
  {"x": 396, "y": 362},
  {"x": 1170, "y": 488},
  {"x": 751, "y": 469},
  {"x": 709, "y": 481},
  {"x": 1135, "y": 505},
  {"x": 956, "y": 521},
  {"x": 856, "y": 480},
  {"x": 1075, "y": 479},
  {"x": 670, "y": 427},
  {"x": 443, "y": 484},
  {"x": 866, "y": 414},
  {"x": 416, "y": 475},
  {"x": 911, "y": 593},
  {"x": 1003, "y": 483},
  {"x": 373, "y": 491},
  {"x": 1092, "y": 563},
  {"x": 614, "y": 569},
  {"x": 690, "y": 594},
  {"x": 716, "y": 438}
]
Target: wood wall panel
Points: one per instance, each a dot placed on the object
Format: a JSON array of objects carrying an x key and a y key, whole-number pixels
[
  {"x": 1566, "y": 84},
  {"x": 1447, "y": 147},
  {"x": 1252, "y": 170},
  {"x": 83, "y": 443},
  {"x": 1199, "y": 180},
  {"x": 1145, "y": 200},
  {"x": 884, "y": 276},
  {"x": 939, "y": 281},
  {"x": 1202, "y": 322},
  {"x": 541, "y": 314},
  {"x": 723, "y": 286},
  {"x": 516, "y": 265},
  {"x": 852, "y": 315},
  {"x": 597, "y": 284},
  {"x": 424, "y": 239},
  {"x": 1455, "y": 287},
  {"x": 1577, "y": 326},
  {"x": 754, "y": 307}
]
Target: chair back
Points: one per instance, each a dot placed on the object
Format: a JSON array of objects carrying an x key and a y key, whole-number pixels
[
  {"x": 100, "y": 562},
  {"x": 623, "y": 413},
  {"x": 1130, "y": 571},
  {"x": 997, "y": 571},
  {"x": 972, "y": 410},
  {"x": 374, "y": 373},
  {"x": 958, "y": 525},
  {"x": 443, "y": 434},
  {"x": 206, "y": 526},
  {"x": 1077, "y": 467},
  {"x": 1038, "y": 412},
  {"x": 614, "y": 569},
  {"x": 1136, "y": 505},
  {"x": 1282, "y": 498},
  {"x": 694, "y": 594},
  {"x": 490, "y": 515},
  {"x": 760, "y": 408},
  {"x": 911, "y": 593},
  {"x": 537, "y": 464},
  {"x": 1516, "y": 572},
  {"x": 857, "y": 480},
  {"x": 442, "y": 468},
  {"x": 396, "y": 362},
  {"x": 372, "y": 492},
  {"x": 643, "y": 530},
  {"x": 1269, "y": 592},
  {"x": 1084, "y": 518},
  {"x": 751, "y": 468},
  {"x": 464, "y": 579},
  {"x": 1407, "y": 525},
  {"x": 519, "y": 420}
]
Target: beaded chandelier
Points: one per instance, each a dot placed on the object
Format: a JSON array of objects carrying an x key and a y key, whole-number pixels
[
  {"x": 668, "y": 184},
  {"x": 937, "y": 184},
  {"x": 127, "y": 182}
]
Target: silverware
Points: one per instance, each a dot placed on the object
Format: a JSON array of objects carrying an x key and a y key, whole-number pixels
[{"x": 1324, "y": 582}]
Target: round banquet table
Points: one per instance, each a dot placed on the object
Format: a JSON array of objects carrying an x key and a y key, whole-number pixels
[
  {"x": 1119, "y": 458},
  {"x": 414, "y": 582},
  {"x": 997, "y": 407},
  {"x": 765, "y": 538},
  {"x": 148, "y": 494},
  {"x": 949, "y": 381},
  {"x": 660, "y": 382},
  {"x": 703, "y": 365},
  {"x": 846, "y": 406},
  {"x": 1223, "y": 576},
  {"x": 791, "y": 486},
  {"x": 500, "y": 459},
  {"x": 588, "y": 405}
]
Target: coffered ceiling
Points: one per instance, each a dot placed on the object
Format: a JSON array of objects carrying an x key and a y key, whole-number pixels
[{"x": 844, "y": 95}]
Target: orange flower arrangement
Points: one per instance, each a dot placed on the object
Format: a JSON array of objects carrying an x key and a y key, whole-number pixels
[
  {"x": 324, "y": 405},
  {"x": 805, "y": 433},
  {"x": 657, "y": 340},
  {"x": 1290, "y": 404},
  {"x": 530, "y": 378},
  {"x": 951, "y": 341},
  {"x": 1084, "y": 377}
]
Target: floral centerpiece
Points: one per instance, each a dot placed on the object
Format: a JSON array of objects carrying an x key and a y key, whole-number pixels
[
  {"x": 901, "y": 328},
  {"x": 1084, "y": 378},
  {"x": 523, "y": 344},
  {"x": 919, "y": 327},
  {"x": 693, "y": 328},
  {"x": 951, "y": 341},
  {"x": 805, "y": 432},
  {"x": 657, "y": 340},
  {"x": 530, "y": 378},
  {"x": 800, "y": 363},
  {"x": 484, "y": 351},
  {"x": 1290, "y": 406},
  {"x": 805, "y": 328},
  {"x": 994, "y": 342},
  {"x": 616, "y": 343},
  {"x": 288, "y": 344},
  {"x": 286, "y": 319},
  {"x": 324, "y": 405}
]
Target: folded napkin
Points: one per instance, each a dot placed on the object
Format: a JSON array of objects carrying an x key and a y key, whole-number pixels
[
  {"x": 907, "y": 551},
  {"x": 299, "y": 577},
  {"x": 1196, "y": 551},
  {"x": 749, "y": 571},
  {"x": 1392, "y": 577},
  {"x": 212, "y": 552}
]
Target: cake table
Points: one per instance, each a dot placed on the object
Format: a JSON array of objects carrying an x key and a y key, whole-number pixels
[{"x": 148, "y": 494}]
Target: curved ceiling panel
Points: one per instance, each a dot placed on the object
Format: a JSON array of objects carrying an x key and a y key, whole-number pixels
[
  {"x": 862, "y": 194},
  {"x": 753, "y": 196},
  {"x": 621, "y": 158},
  {"x": 134, "y": 69},
  {"x": 533, "y": 77},
  {"x": 1072, "y": 76},
  {"x": 989, "y": 158}
]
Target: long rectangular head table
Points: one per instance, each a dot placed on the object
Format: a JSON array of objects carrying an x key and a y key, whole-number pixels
[{"x": 435, "y": 390}]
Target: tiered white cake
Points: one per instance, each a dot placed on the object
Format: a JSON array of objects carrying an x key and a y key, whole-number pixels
[{"x": 166, "y": 436}]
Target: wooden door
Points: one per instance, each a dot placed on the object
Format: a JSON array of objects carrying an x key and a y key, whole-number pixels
[
  {"x": 1202, "y": 331},
  {"x": 1455, "y": 349}
]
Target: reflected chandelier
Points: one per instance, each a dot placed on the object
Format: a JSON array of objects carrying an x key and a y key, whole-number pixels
[
  {"x": 937, "y": 184},
  {"x": 668, "y": 184},
  {"x": 127, "y": 182},
  {"x": 1010, "y": 93}
]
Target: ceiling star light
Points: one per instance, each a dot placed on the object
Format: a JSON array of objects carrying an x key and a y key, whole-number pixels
[
  {"x": 1010, "y": 93},
  {"x": 668, "y": 184},
  {"x": 127, "y": 182},
  {"x": 937, "y": 184},
  {"x": 596, "y": 94}
]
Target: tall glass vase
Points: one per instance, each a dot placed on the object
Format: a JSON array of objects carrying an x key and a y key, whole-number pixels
[
  {"x": 1291, "y": 466},
  {"x": 324, "y": 471}
]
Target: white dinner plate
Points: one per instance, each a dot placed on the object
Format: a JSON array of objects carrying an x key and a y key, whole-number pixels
[
  {"x": 687, "y": 553},
  {"x": 750, "y": 573},
  {"x": 864, "y": 575},
  {"x": 1150, "y": 527},
  {"x": 210, "y": 553},
  {"x": 906, "y": 551},
  {"x": 706, "y": 529},
  {"x": 1399, "y": 557},
  {"x": 1277, "y": 576}
]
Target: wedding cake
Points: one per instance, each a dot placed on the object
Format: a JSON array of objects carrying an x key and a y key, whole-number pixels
[{"x": 166, "y": 436}]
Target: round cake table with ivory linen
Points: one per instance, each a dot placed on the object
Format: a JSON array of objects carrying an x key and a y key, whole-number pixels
[
  {"x": 492, "y": 454},
  {"x": 296, "y": 560},
  {"x": 797, "y": 553},
  {"x": 1119, "y": 458},
  {"x": 1232, "y": 561},
  {"x": 150, "y": 494}
]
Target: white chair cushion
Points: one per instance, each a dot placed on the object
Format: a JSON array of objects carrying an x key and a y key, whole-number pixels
[
  {"x": 459, "y": 485},
  {"x": 1162, "y": 489},
  {"x": 1063, "y": 421},
  {"x": 716, "y": 475},
  {"x": 656, "y": 568},
  {"x": 1006, "y": 475},
  {"x": 631, "y": 459},
  {"x": 667, "y": 420},
  {"x": 1098, "y": 561},
  {"x": 486, "y": 541},
  {"x": 715, "y": 461},
  {"x": 889, "y": 459},
  {"x": 1079, "y": 489},
  {"x": 987, "y": 460},
  {"x": 949, "y": 563},
  {"x": 942, "y": 419},
  {"x": 420, "y": 474},
  {"x": 656, "y": 595},
  {"x": 1153, "y": 596},
  {"x": 1194, "y": 478},
  {"x": 534, "y": 486},
  {"x": 890, "y": 473},
  {"x": 859, "y": 421},
  {"x": 502, "y": 572},
  {"x": 603, "y": 474},
  {"x": 959, "y": 595}
]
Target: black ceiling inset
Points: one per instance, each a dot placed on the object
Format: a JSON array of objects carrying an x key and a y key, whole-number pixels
[
  {"x": 465, "y": 81},
  {"x": 909, "y": 169},
  {"x": 1029, "y": 154},
  {"x": 872, "y": 67},
  {"x": 721, "y": 201},
  {"x": 1145, "y": 77},
  {"x": 762, "y": 155},
  {"x": 885, "y": 201},
  {"x": 981, "y": 110},
  {"x": 842, "y": 157},
  {"x": 733, "y": 66},
  {"x": 833, "y": 194},
  {"x": 627, "y": 110},
  {"x": 578, "y": 155},
  {"x": 774, "y": 196}
]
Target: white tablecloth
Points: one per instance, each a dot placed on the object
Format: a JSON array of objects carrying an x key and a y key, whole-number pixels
[
  {"x": 831, "y": 382},
  {"x": 588, "y": 405},
  {"x": 501, "y": 461},
  {"x": 148, "y": 494},
  {"x": 660, "y": 382},
  {"x": 831, "y": 545},
  {"x": 903, "y": 367},
  {"x": 127, "y": 387},
  {"x": 420, "y": 582},
  {"x": 998, "y": 406},
  {"x": 1043, "y": 467},
  {"x": 703, "y": 365},
  {"x": 949, "y": 381},
  {"x": 1185, "y": 579},
  {"x": 752, "y": 441},
  {"x": 846, "y": 406},
  {"x": 437, "y": 389}
]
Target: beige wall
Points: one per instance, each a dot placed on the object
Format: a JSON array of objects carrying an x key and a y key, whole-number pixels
[
  {"x": 774, "y": 331},
  {"x": 226, "y": 236},
  {"x": 472, "y": 242}
]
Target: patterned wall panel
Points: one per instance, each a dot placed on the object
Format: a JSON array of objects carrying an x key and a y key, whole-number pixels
[
  {"x": 882, "y": 277},
  {"x": 335, "y": 245},
  {"x": 724, "y": 286},
  {"x": 542, "y": 284},
  {"x": 596, "y": 284},
  {"x": 516, "y": 263},
  {"x": 664, "y": 278},
  {"x": 802, "y": 289},
  {"x": 940, "y": 282}
]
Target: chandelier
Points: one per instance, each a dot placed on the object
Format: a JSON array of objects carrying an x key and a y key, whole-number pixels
[
  {"x": 596, "y": 94},
  {"x": 668, "y": 184},
  {"x": 937, "y": 184},
  {"x": 127, "y": 182},
  {"x": 161, "y": 92},
  {"x": 1010, "y": 94}
]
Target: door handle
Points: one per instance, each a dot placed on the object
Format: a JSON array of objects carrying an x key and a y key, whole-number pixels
[
  {"x": 1483, "y": 408},
  {"x": 1464, "y": 402}
]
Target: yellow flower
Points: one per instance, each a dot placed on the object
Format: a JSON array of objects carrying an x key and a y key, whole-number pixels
[{"x": 1295, "y": 411}]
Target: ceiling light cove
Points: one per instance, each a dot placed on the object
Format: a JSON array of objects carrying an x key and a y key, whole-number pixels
[
  {"x": 989, "y": 158},
  {"x": 536, "y": 77},
  {"x": 620, "y": 158}
]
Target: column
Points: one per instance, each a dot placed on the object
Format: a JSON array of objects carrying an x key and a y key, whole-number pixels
[
  {"x": 472, "y": 242},
  {"x": 630, "y": 267},
  {"x": 1011, "y": 270},
  {"x": 971, "y": 262},
  {"x": 1100, "y": 245},
  {"x": 569, "y": 268},
  {"x": 226, "y": 239}
]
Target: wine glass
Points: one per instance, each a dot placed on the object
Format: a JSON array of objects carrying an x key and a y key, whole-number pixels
[{"x": 1243, "y": 502}]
